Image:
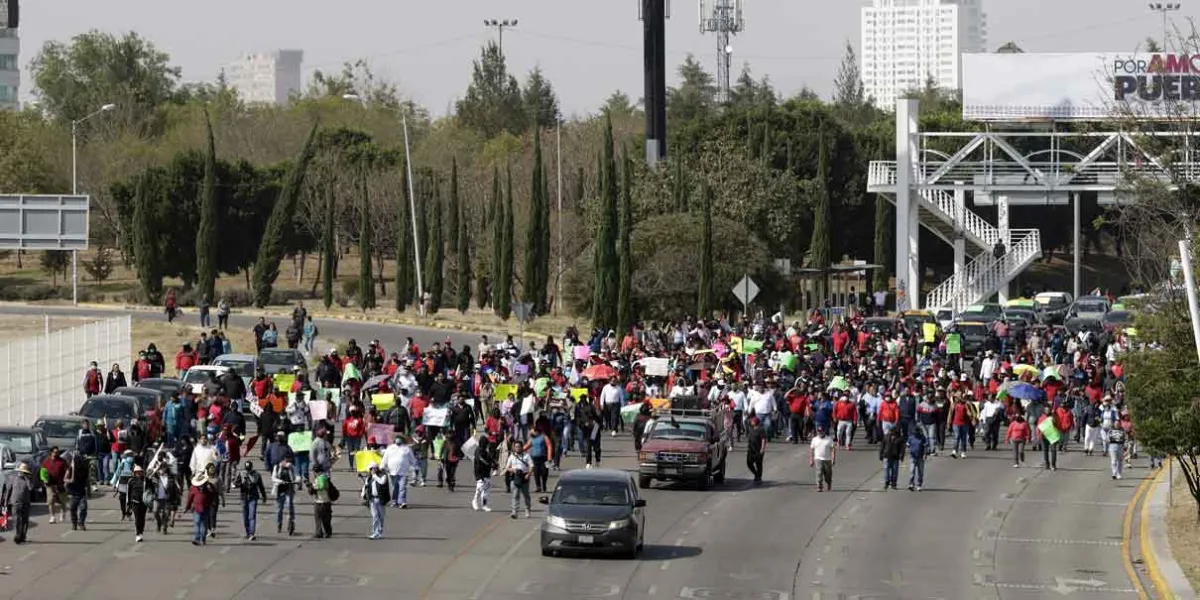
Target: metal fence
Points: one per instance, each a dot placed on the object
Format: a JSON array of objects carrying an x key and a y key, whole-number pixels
[{"x": 43, "y": 375}]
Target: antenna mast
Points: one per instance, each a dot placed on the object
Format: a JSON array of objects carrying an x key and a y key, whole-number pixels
[{"x": 724, "y": 18}]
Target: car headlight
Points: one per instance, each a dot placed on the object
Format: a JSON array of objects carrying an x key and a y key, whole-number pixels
[
  {"x": 644, "y": 456},
  {"x": 619, "y": 524},
  {"x": 554, "y": 521}
]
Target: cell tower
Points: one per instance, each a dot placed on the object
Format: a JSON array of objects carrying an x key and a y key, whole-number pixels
[{"x": 724, "y": 18}]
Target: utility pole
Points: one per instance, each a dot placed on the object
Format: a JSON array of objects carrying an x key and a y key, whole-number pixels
[
  {"x": 500, "y": 26},
  {"x": 654, "y": 15},
  {"x": 1164, "y": 9}
]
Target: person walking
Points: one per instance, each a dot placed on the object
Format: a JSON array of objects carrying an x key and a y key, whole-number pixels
[
  {"x": 891, "y": 452},
  {"x": 486, "y": 463},
  {"x": 324, "y": 494},
  {"x": 283, "y": 486},
  {"x": 1050, "y": 439},
  {"x": 53, "y": 474},
  {"x": 122, "y": 473},
  {"x": 140, "y": 495},
  {"x": 518, "y": 468},
  {"x": 919, "y": 444},
  {"x": 249, "y": 482},
  {"x": 77, "y": 486},
  {"x": 1115, "y": 444},
  {"x": 166, "y": 496},
  {"x": 16, "y": 497},
  {"x": 822, "y": 457},
  {"x": 960, "y": 419},
  {"x": 198, "y": 500},
  {"x": 539, "y": 451},
  {"x": 398, "y": 459},
  {"x": 756, "y": 449},
  {"x": 375, "y": 493},
  {"x": 1018, "y": 435}
]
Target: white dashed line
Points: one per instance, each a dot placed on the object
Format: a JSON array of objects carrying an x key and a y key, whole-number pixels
[{"x": 27, "y": 556}]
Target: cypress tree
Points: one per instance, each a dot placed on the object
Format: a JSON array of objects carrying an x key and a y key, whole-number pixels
[
  {"x": 206, "y": 234},
  {"x": 819, "y": 247},
  {"x": 625, "y": 315},
  {"x": 366, "y": 274},
  {"x": 464, "y": 267},
  {"x": 604, "y": 304},
  {"x": 883, "y": 243},
  {"x": 481, "y": 274},
  {"x": 533, "y": 243},
  {"x": 497, "y": 239},
  {"x": 328, "y": 248},
  {"x": 421, "y": 243},
  {"x": 580, "y": 187},
  {"x": 403, "y": 247},
  {"x": 279, "y": 225},
  {"x": 149, "y": 271},
  {"x": 455, "y": 213},
  {"x": 436, "y": 258},
  {"x": 704, "y": 295},
  {"x": 504, "y": 286}
]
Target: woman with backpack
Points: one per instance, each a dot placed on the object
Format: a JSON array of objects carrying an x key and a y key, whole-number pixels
[
  {"x": 122, "y": 473},
  {"x": 1115, "y": 444}
]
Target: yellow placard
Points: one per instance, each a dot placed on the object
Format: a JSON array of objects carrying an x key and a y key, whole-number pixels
[
  {"x": 363, "y": 459},
  {"x": 383, "y": 402},
  {"x": 503, "y": 390},
  {"x": 579, "y": 394},
  {"x": 930, "y": 332},
  {"x": 284, "y": 381}
]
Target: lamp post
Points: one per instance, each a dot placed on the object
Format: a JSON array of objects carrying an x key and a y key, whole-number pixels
[
  {"x": 1164, "y": 9},
  {"x": 75, "y": 190},
  {"x": 500, "y": 26},
  {"x": 412, "y": 206}
]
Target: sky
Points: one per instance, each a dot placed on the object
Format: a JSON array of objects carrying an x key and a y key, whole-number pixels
[{"x": 587, "y": 49}]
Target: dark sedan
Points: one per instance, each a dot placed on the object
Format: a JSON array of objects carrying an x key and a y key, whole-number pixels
[
  {"x": 60, "y": 430},
  {"x": 594, "y": 510},
  {"x": 112, "y": 408},
  {"x": 164, "y": 385},
  {"x": 1117, "y": 320}
]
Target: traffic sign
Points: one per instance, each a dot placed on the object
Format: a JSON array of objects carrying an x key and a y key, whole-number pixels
[
  {"x": 524, "y": 311},
  {"x": 746, "y": 290}
]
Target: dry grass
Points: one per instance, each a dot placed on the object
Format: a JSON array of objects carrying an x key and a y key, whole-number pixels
[
  {"x": 23, "y": 326},
  {"x": 1183, "y": 530},
  {"x": 170, "y": 337}
]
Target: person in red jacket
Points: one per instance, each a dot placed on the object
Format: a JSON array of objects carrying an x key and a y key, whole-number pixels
[
  {"x": 198, "y": 500},
  {"x": 1018, "y": 435},
  {"x": 143, "y": 368},
  {"x": 353, "y": 431},
  {"x": 93, "y": 381},
  {"x": 845, "y": 413},
  {"x": 186, "y": 359},
  {"x": 1064, "y": 421}
]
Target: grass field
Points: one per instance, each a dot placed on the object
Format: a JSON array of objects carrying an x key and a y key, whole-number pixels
[{"x": 169, "y": 338}]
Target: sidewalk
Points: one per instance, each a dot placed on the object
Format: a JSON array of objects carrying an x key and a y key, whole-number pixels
[{"x": 1166, "y": 574}]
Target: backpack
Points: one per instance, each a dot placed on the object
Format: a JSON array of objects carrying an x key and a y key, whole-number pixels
[
  {"x": 1116, "y": 436},
  {"x": 385, "y": 492},
  {"x": 334, "y": 493}
]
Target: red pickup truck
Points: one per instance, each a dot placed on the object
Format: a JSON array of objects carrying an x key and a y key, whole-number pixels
[{"x": 684, "y": 445}]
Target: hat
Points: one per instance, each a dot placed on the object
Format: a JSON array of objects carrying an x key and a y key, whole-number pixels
[
  {"x": 200, "y": 479},
  {"x": 127, "y": 453},
  {"x": 138, "y": 469},
  {"x": 373, "y": 466},
  {"x": 23, "y": 468}
]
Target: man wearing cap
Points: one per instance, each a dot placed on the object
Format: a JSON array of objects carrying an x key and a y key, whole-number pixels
[
  {"x": 138, "y": 501},
  {"x": 375, "y": 493},
  {"x": 16, "y": 497}
]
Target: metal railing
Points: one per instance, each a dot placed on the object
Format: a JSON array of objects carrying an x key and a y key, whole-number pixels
[
  {"x": 1053, "y": 175},
  {"x": 43, "y": 374},
  {"x": 984, "y": 276}
]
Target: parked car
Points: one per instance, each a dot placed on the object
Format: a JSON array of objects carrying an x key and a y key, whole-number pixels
[
  {"x": 944, "y": 318},
  {"x": 1074, "y": 325},
  {"x": 982, "y": 313},
  {"x": 1117, "y": 320},
  {"x": 884, "y": 326},
  {"x": 168, "y": 386},
  {"x": 60, "y": 430},
  {"x": 914, "y": 319},
  {"x": 197, "y": 376},
  {"x": 113, "y": 408},
  {"x": 1055, "y": 306},
  {"x": 1090, "y": 307},
  {"x": 282, "y": 360},
  {"x": 242, "y": 364},
  {"x": 976, "y": 337},
  {"x": 595, "y": 510},
  {"x": 28, "y": 445}
]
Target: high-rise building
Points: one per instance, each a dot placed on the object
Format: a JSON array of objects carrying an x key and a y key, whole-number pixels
[
  {"x": 266, "y": 78},
  {"x": 10, "y": 64},
  {"x": 906, "y": 43}
]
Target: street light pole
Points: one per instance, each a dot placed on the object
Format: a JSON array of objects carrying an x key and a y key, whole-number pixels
[
  {"x": 1163, "y": 9},
  {"x": 75, "y": 191},
  {"x": 500, "y": 26}
]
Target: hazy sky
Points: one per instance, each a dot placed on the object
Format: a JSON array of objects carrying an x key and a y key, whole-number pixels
[{"x": 588, "y": 49}]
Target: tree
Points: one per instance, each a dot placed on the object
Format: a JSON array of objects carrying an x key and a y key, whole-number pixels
[
  {"x": 455, "y": 211},
  {"x": 497, "y": 238},
  {"x": 541, "y": 103},
  {"x": 607, "y": 267},
  {"x": 71, "y": 80},
  {"x": 490, "y": 212},
  {"x": 619, "y": 105},
  {"x": 328, "y": 248},
  {"x": 820, "y": 246},
  {"x": 55, "y": 262},
  {"x": 366, "y": 269},
  {"x": 503, "y": 286},
  {"x": 102, "y": 264},
  {"x": 1012, "y": 48},
  {"x": 625, "y": 312},
  {"x": 493, "y": 103},
  {"x": 748, "y": 92},
  {"x": 464, "y": 268},
  {"x": 208, "y": 234},
  {"x": 696, "y": 95},
  {"x": 279, "y": 226},
  {"x": 537, "y": 256},
  {"x": 146, "y": 255},
  {"x": 883, "y": 242},
  {"x": 704, "y": 293},
  {"x": 850, "y": 99},
  {"x": 404, "y": 259},
  {"x": 435, "y": 259}
]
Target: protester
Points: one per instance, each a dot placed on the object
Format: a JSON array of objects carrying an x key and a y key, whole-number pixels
[
  {"x": 823, "y": 454},
  {"x": 250, "y": 485}
]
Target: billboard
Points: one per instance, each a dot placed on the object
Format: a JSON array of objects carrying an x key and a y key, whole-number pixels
[
  {"x": 1079, "y": 87},
  {"x": 44, "y": 222}
]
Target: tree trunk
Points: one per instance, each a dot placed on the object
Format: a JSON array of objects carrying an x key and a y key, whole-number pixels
[
  {"x": 382, "y": 278},
  {"x": 300, "y": 272},
  {"x": 247, "y": 272},
  {"x": 317, "y": 280}
]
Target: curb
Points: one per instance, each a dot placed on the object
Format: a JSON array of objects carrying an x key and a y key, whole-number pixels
[
  {"x": 1127, "y": 539},
  {"x": 1162, "y": 569}
]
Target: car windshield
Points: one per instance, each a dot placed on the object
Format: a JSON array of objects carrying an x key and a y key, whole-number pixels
[
  {"x": 1119, "y": 316},
  {"x": 243, "y": 368},
  {"x": 944, "y": 315},
  {"x": 592, "y": 493},
  {"x": 973, "y": 330},
  {"x": 1019, "y": 314},
  {"x": 111, "y": 408},
  {"x": 58, "y": 429},
  {"x": 19, "y": 443},
  {"x": 279, "y": 357},
  {"x": 1051, "y": 301},
  {"x": 159, "y": 385},
  {"x": 1093, "y": 306},
  {"x": 197, "y": 376},
  {"x": 987, "y": 311},
  {"x": 664, "y": 430}
]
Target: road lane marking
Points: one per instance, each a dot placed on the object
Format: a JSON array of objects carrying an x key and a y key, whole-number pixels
[
  {"x": 28, "y": 555},
  {"x": 226, "y": 550},
  {"x": 503, "y": 562},
  {"x": 64, "y": 535},
  {"x": 181, "y": 594},
  {"x": 653, "y": 590},
  {"x": 1127, "y": 538},
  {"x": 1014, "y": 499},
  {"x": 342, "y": 558},
  {"x": 483, "y": 533},
  {"x": 195, "y": 578},
  {"x": 1056, "y": 542}
]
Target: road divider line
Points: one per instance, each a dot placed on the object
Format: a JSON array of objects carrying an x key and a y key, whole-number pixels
[
  {"x": 1145, "y": 543},
  {"x": 28, "y": 555},
  {"x": 483, "y": 533},
  {"x": 1127, "y": 536},
  {"x": 503, "y": 562}
]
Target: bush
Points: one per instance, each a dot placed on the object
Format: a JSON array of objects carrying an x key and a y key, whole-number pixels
[{"x": 350, "y": 287}]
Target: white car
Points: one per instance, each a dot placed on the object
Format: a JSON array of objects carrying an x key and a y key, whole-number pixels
[{"x": 197, "y": 376}]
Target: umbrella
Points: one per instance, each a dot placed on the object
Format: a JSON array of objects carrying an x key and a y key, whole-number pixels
[
  {"x": 375, "y": 382},
  {"x": 1051, "y": 372},
  {"x": 597, "y": 372},
  {"x": 1025, "y": 391},
  {"x": 1022, "y": 369}
]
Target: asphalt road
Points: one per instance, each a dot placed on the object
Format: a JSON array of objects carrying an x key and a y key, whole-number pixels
[{"x": 980, "y": 530}]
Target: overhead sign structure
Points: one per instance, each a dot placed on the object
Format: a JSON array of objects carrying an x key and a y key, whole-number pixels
[
  {"x": 46, "y": 222},
  {"x": 1079, "y": 87},
  {"x": 746, "y": 291}
]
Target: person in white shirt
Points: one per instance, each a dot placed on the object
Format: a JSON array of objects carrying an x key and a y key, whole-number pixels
[
  {"x": 762, "y": 405},
  {"x": 991, "y": 415},
  {"x": 398, "y": 459},
  {"x": 737, "y": 400},
  {"x": 822, "y": 457},
  {"x": 203, "y": 454},
  {"x": 610, "y": 402},
  {"x": 987, "y": 367},
  {"x": 519, "y": 466}
]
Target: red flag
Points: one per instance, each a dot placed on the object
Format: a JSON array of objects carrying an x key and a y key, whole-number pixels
[{"x": 250, "y": 444}]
